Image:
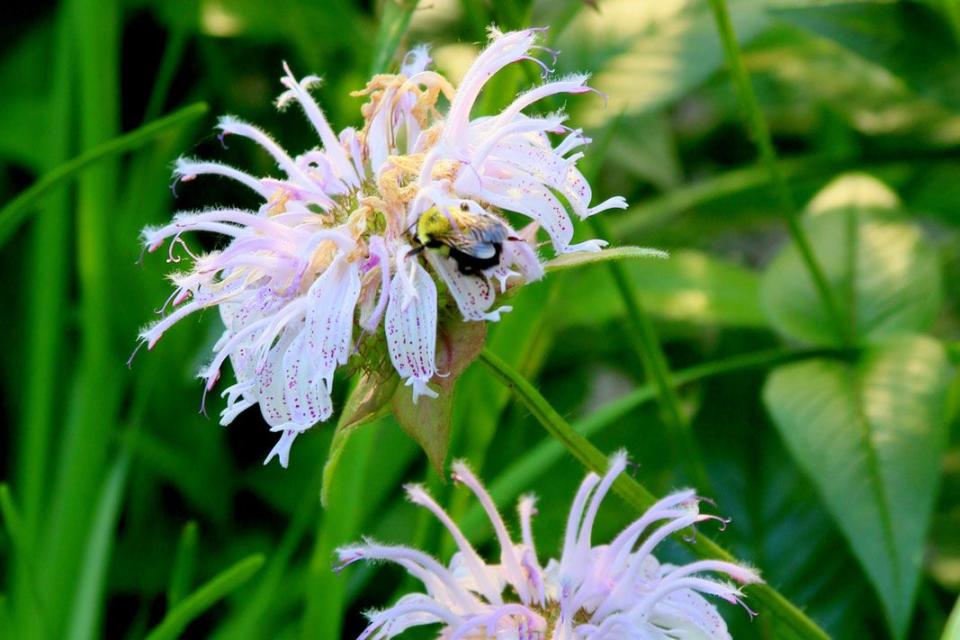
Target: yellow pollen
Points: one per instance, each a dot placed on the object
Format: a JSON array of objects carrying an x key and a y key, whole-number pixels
[{"x": 279, "y": 200}]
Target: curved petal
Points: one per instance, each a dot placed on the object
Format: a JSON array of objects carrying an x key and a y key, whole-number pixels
[
  {"x": 473, "y": 294},
  {"x": 332, "y": 300},
  {"x": 411, "y": 327}
]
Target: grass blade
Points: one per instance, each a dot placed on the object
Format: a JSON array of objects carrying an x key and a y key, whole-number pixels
[
  {"x": 393, "y": 24},
  {"x": 15, "y": 212},
  {"x": 181, "y": 576},
  {"x": 205, "y": 597},
  {"x": 88, "y": 599}
]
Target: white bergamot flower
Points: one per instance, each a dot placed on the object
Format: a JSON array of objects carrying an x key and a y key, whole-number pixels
[
  {"x": 342, "y": 239},
  {"x": 614, "y": 591}
]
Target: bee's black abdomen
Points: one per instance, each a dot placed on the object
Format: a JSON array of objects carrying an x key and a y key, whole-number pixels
[{"x": 469, "y": 264}]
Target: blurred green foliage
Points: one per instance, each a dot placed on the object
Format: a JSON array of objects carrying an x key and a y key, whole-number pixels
[{"x": 127, "y": 513}]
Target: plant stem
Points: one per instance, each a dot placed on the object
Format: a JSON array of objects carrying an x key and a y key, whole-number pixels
[
  {"x": 643, "y": 337},
  {"x": 512, "y": 480},
  {"x": 634, "y": 493},
  {"x": 768, "y": 157}
]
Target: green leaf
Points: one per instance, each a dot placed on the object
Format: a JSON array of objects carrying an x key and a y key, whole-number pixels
[
  {"x": 181, "y": 575},
  {"x": 924, "y": 54},
  {"x": 870, "y": 435},
  {"x": 367, "y": 401},
  {"x": 689, "y": 287},
  {"x": 581, "y": 258},
  {"x": 91, "y": 587},
  {"x": 393, "y": 24},
  {"x": 648, "y": 54},
  {"x": 15, "y": 211},
  {"x": 206, "y": 596},
  {"x": 952, "y": 630},
  {"x": 886, "y": 274},
  {"x": 428, "y": 420}
]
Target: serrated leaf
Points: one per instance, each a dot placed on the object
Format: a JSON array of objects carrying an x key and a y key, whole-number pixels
[
  {"x": 582, "y": 258},
  {"x": 428, "y": 420},
  {"x": 368, "y": 400},
  {"x": 870, "y": 435},
  {"x": 884, "y": 274}
]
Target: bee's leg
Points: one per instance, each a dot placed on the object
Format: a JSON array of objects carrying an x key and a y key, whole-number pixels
[{"x": 415, "y": 251}]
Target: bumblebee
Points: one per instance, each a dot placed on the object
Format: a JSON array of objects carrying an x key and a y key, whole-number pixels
[{"x": 474, "y": 241}]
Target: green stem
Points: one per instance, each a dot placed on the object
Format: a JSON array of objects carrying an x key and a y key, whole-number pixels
[
  {"x": 635, "y": 494},
  {"x": 768, "y": 157},
  {"x": 644, "y": 340},
  {"x": 16, "y": 211},
  {"x": 514, "y": 479},
  {"x": 86, "y": 436}
]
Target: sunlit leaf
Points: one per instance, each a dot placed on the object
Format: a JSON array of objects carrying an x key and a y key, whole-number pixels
[
  {"x": 688, "y": 287},
  {"x": 924, "y": 54},
  {"x": 647, "y": 54},
  {"x": 870, "y": 434},
  {"x": 882, "y": 270}
]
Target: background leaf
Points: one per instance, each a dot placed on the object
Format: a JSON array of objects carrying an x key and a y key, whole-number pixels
[
  {"x": 925, "y": 56},
  {"x": 886, "y": 275},
  {"x": 865, "y": 433}
]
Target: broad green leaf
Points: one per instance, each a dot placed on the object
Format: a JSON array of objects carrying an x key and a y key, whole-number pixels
[
  {"x": 428, "y": 420},
  {"x": 777, "y": 520},
  {"x": 907, "y": 38},
  {"x": 648, "y": 54},
  {"x": 644, "y": 147},
  {"x": 870, "y": 434},
  {"x": 688, "y": 287},
  {"x": 886, "y": 276},
  {"x": 814, "y": 72}
]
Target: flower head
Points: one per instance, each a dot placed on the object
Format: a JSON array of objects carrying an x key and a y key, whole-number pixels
[
  {"x": 341, "y": 239},
  {"x": 612, "y": 591}
]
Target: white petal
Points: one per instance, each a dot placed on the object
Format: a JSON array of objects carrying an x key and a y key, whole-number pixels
[
  {"x": 473, "y": 294},
  {"x": 411, "y": 328},
  {"x": 306, "y": 396},
  {"x": 282, "y": 449},
  {"x": 270, "y": 382},
  {"x": 332, "y": 300}
]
